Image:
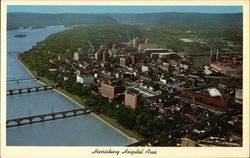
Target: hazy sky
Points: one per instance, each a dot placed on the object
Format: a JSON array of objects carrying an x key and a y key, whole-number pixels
[{"x": 123, "y": 9}]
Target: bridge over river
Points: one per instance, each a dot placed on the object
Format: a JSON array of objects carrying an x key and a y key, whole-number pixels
[
  {"x": 25, "y": 78},
  {"x": 46, "y": 117},
  {"x": 31, "y": 89}
]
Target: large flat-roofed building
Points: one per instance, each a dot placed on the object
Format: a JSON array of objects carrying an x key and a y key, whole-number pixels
[
  {"x": 210, "y": 96},
  {"x": 112, "y": 90},
  {"x": 214, "y": 92},
  {"x": 131, "y": 99},
  {"x": 85, "y": 79},
  {"x": 161, "y": 54},
  {"x": 223, "y": 69},
  {"x": 108, "y": 91},
  {"x": 156, "y": 50},
  {"x": 143, "y": 47}
]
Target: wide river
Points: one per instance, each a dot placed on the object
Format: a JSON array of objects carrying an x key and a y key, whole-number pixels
[{"x": 82, "y": 130}]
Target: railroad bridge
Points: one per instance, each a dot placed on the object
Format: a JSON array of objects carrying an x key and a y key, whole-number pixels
[
  {"x": 31, "y": 89},
  {"x": 46, "y": 117}
]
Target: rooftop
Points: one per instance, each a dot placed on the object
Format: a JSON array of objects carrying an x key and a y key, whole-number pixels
[{"x": 213, "y": 92}]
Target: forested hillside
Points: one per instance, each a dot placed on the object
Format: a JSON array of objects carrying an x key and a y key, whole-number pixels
[{"x": 16, "y": 20}]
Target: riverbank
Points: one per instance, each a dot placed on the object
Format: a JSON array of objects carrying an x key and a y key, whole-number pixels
[
  {"x": 132, "y": 135},
  {"x": 109, "y": 121}
]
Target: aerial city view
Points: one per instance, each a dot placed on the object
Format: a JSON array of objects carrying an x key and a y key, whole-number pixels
[{"x": 124, "y": 76}]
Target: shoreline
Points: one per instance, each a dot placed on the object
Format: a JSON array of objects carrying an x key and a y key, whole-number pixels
[
  {"x": 74, "y": 101},
  {"x": 95, "y": 115}
]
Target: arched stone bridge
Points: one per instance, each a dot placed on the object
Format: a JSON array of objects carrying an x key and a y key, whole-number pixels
[
  {"x": 46, "y": 117},
  {"x": 31, "y": 89}
]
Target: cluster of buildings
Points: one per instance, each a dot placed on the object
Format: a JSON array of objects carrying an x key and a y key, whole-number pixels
[
  {"x": 137, "y": 73},
  {"x": 223, "y": 63}
]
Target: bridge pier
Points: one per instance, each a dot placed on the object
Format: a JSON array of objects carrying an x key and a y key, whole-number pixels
[
  {"x": 30, "y": 120},
  {"x": 28, "y": 90},
  {"x": 64, "y": 115},
  {"x": 11, "y": 92},
  {"x": 18, "y": 122},
  {"x": 20, "y": 91},
  {"x": 53, "y": 116}
]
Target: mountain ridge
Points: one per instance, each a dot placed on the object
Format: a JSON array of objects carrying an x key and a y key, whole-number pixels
[
  {"x": 174, "y": 18},
  {"x": 17, "y": 19}
]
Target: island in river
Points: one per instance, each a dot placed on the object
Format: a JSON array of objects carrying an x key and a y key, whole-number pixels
[
  {"x": 20, "y": 36},
  {"x": 37, "y": 27}
]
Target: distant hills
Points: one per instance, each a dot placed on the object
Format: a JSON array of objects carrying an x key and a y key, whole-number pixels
[
  {"x": 15, "y": 20},
  {"x": 186, "y": 19}
]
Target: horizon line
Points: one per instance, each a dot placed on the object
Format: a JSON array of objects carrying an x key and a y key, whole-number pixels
[{"x": 129, "y": 13}]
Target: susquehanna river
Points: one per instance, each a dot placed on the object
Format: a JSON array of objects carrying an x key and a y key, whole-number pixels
[{"x": 82, "y": 130}]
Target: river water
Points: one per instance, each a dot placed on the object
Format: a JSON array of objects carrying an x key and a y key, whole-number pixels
[{"x": 83, "y": 130}]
